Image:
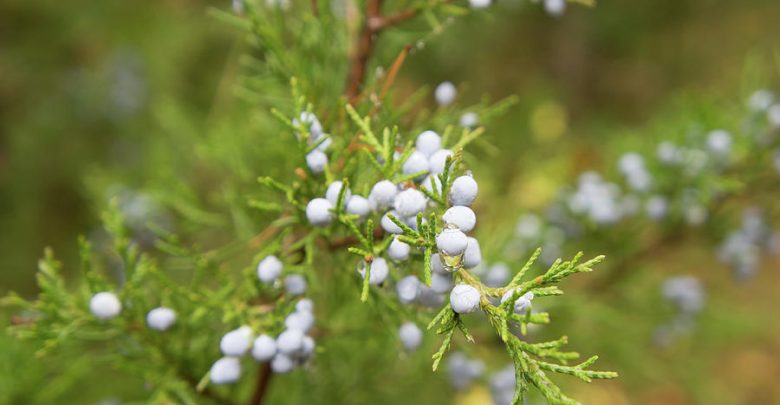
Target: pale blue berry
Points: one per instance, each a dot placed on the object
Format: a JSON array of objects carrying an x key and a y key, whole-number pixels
[
  {"x": 236, "y": 342},
  {"x": 445, "y": 93},
  {"x": 264, "y": 348},
  {"x": 318, "y": 212},
  {"x": 390, "y": 226},
  {"x": 432, "y": 183},
  {"x": 269, "y": 269},
  {"x": 409, "y": 203},
  {"x": 497, "y": 275},
  {"x": 441, "y": 283},
  {"x": 452, "y": 242},
  {"x": 416, "y": 163},
  {"x": 358, "y": 205},
  {"x": 472, "y": 257},
  {"x": 461, "y": 217},
  {"x": 428, "y": 143},
  {"x": 317, "y": 161},
  {"x": 522, "y": 304},
  {"x": 383, "y": 194},
  {"x": 295, "y": 284},
  {"x": 307, "y": 349},
  {"x": 398, "y": 250},
  {"x": 479, "y": 4},
  {"x": 437, "y": 265},
  {"x": 105, "y": 305},
  {"x": 290, "y": 342},
  {"x": 282, "y": 364},
  {"x": 463, "y": 191},
  {"x": 438, "y": 161},
  {"x": 464, "y": 299},
  {"x": 378, "y": 271},
  {"x": 408, "y": 288},
  {"x": 719, "y": 142},
  {"x": 305, "y": 305},
  {"x": 773, "y": 116},
  {"x": 301, "y": 320},
  {"x": 334, "y": 189},
  {"x": 469, "y": 119},
  {"x": 226, "y": 370},
  {"x": 161, "y": 318},
  {"x": 656, "y": 207},
  {"x": 555, "y": 8},
  {"x": 410, "y": 336}
]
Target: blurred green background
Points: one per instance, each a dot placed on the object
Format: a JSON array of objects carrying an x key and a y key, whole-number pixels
[{"x": 88, "y": 88}]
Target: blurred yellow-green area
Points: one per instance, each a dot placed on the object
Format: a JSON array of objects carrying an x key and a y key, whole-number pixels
[{"x": 84, "y": 85}]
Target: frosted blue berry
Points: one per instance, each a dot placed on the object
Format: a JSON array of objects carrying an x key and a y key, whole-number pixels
[
  {"x": 161, "y": 318},
  {"x": 408, "y": 288},
  {"x": 105, "y": 305},
  {"x": 410, "y": 336},
  {"x": 416, "y": 163},
  {"x": 656, "y": 207},
  {"x": 463, "y": 191},
  {"x": 301, "y": 320},
  {"x": 668, "y": 153},
  {"x": 464, "y": 299},
  {"x": 282, "y": 364},
  {"x": 318, "y": 212},
  {"x": 378, "y": 271},
  {"x": 295, "y": 284},
  {"x": 307, "y": 349},
  {"x": 502, "y": 386},
  {"x": 236, "y": 342},
  {"x": 269, "y": 269},
  {"x": 469, "y": 120},
  {"x": 522, "y": 304},
  {"x": 317, "y": 161},
  {"x": 479, "y": 4},
  {"x": 684, "y": 291},
  {"x": 309, "y": 121},
  {"x": 390, "y": 226},
  {"x": 773, "y": 116},
  {"x": 432, "y": 183},
  {"x": 334, "y": 189},
  {"x": 305, "y": 305},
  {"x": 358, "y": 205},
  {"x": 428, "y": 143},
  {"x": 438, "y": 161},
  {"x": 452, "y": 242},
  {"x": 383, "y": 194},
  {"x": 441, "y": 283},
  {"x": 290, "y": 342},
  {"x": 437, "y": 265},
  {"x": 398, "y": 250},
  {"x": 264, "y": 348},
  {"x": 555, "y": 8},
  {"x": 462, "y": 370},
  {"x": 409, "y": 203},
  {"x": 226, "y": 370},
  {"x": 719, "y": 142},
  {"x": 760, "y": 100},
  {"x": 445, "y": 93},
  {"x": 472, "y": 257},
  {"x": 528, "y": 227},
  {"x": 497, "y": 275},
  {"x": 461, "y": 217}
]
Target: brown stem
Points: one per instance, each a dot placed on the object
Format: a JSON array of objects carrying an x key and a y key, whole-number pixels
[
  {"x": 363, "y": 50},
  {"x": 261, "y": 389}
]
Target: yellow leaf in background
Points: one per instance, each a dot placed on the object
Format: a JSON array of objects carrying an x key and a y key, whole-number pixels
[
  {"x": 478, "y": 394},
  {"x": 549, "y": 121}
]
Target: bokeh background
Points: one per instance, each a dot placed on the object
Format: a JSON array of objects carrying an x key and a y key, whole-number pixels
[{"x": 88, "y": 89}]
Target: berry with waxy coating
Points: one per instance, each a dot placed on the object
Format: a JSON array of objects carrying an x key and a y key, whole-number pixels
[
  {"x": 389, "y": 226},
  {"x": 428, "y": 143},
  {"x": 441, "y": 283},
  {"x": 432, "y": 183},
  {"x": 460, "y": 216},
  {"x": 472, "y": 257},
  {"x": 398, "y": 250},
  {"x": 358, "y": 205},
  {"x": 437, "y": 265},
  {"x": 445, "y": 93},
  {"x": 469, "y": 119},
  {"x": 410, "y": 202},
  {"x": 464, "y": 299},
  {"x": 408, "y": 289},
  {"x": 264, "y": 348},
  {"x": 522, "y": 304},
  {"x": 410, "y": 336},
  {"x": 463, "y": 191},
  {"x": 317, "y": 161},
  {"x": 383, "y": 194},
  {"x": 301, "y": 320},
  {"x": 295, "y": 284},
  {"x": 438, "y": 161},
  {"x": 161, "y": 318},
  {"x": 236, "y": 342},
  {"x": 452, "y": 242},
  {"x": 307, "y": 349},
  {"x": 226, "y": 370},
  {"x": 416, "y": 163},
  {"x": 269, "y": 269},
  {"x": 290, "y": 342},
  {"x": 305, "y": 304},
  {"x": 555, "y": 8},
  {"x": 318, "y": 212},
  {"x": 333, "y": 191},
  {"x": 282, "y": 363},
  {"x": 105, "y": 305},
  {"x": 378, "y": 271}
]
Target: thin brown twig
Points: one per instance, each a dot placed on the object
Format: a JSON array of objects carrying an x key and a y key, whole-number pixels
[{"x": 261, "y": 389}]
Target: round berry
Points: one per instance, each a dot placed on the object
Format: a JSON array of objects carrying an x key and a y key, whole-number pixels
[
  {"x": 310, "y": 122},
  {"x": 289, "y": 342},
  {"x": 317, "y": 160},
  {"x": 318, "y": 212},
  {"x": 416, "y": 163},
  {"x": 460, "y": 216},
  {"x": 269, "y": 269},
  {"x": 390, "y": 226},
  {"x": 438, "y": 161},
  {"x": 452, "y": 242},
  {"x": 719, "y": 142},
  {"x": 441, "y": 283},
  {"x": 295, "y": 284},
  {"x": 410, "y": 202},
  {"x": 408, "y": 288},
  {"x": 464, "y": 299},
  {"x": 522, "y": 304},
  {"x": 428, "y": 143},
  {"x": 282, "y": 364},
  {"x": 410, "y": 336},
  {"x": 555, "y": 8},
  {"x": 236, "y": 342},
  {"x": 398, "y": 250},
  {"x": 301, "y": 320},
  {"x": 773, "y": 115},
  {"x": 358, "y": 205},
  {"x": 478, "y": 4},
  {"x": 334, "y": 189},
  {"x": 308, "y": 348},
  {"x": 264, "y": 348},
  {"x": 437, "y": 265},
  {"x": 472, "y": 257},
  {"x": 383, "y": 194},
  {"x": 469, "y": 119},
  {"x": 463, "y": 191},
  {"x": 378, "y": 271},
  {"x": 305, "y": 305},
  {"x": 226, "y": 370},
  {"x": 432, "y": 183},
  {"x": 105, "y": 305},
  {"x": 497, "y": 275},
  {"x": 445, "y": 93},
  {"x": 161, "y": 318}
]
